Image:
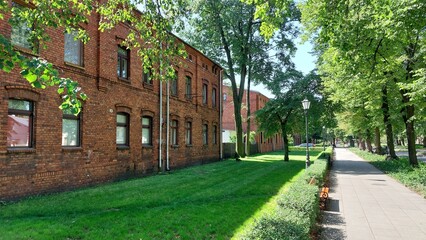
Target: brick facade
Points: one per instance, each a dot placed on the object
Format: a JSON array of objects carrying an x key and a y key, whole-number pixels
[
  {"x": 257, "y": 101},
  {"x": 49, "y": 167}
]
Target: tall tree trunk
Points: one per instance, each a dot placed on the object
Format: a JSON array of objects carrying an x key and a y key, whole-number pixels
[
  {"x": 411, "y": 137},
  {"x": 285, "y": 141},
  {"x": 408, "y": 109},
  {"x": 248, "y": 108},
  {"x": 377, "y": 141},
  {"x": 368, "y": 140},
  {"x": 424, "y": 141},
  {"x": 363, "y": 145},
  {"x": 239, "y": 147},
  {"x": 388, "y": 124}
]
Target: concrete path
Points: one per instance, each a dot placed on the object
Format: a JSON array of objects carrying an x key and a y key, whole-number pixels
[{"x": 366, "y": 204}]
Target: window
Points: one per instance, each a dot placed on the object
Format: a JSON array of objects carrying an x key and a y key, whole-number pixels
[
  {"x": 214, "y": 134},
  {"x": 147, "y": 77},
  {"x": 214, "y": 97},
  {"x": 70, "y": 129},
  {"x": 147, "y": 130},
  {"x": 122, "y": 129},
  {"x": 205, "y": 134},
  {"x": 73, "y": 51},
  {"x": 123, "y": 63},
  {"x": 173, "y": 133},
  {"x": 204, "y": 93},
  {"x": 20, "y": 123},
  {"x": 188, "y": 133},
  {"x": 188, "y": 90},
  {"x": 174, "y": 85},
  {"x": 21, "y": 32}
]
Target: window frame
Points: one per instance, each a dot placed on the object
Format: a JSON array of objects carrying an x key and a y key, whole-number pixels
[
  {"x": 80, "y": 50},
  {"x": 121, "y": 57},
  {"x": 214, "y": 140},
  {"x": 69, "y": 116},
  {"x": 150, "y": 128},
  {"x": 214, "y": 97},
  {"x": 205, "y": 93},
  {"x": 174, "y": 133},
  {"x": 127, "y": 126},
  {"x": 147, "y": 78},
  {"x": 188, "y": 133},
  {"x": 31, "y": 117},
  {"x": 174, "y": 85},
  {"x": 34, "y": 48},
  {"x": 205, "y": 134},
  {"x": 188, "y": 87}
]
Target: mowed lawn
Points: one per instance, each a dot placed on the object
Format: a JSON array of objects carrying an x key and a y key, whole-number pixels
[{"x": 204, "y": 202}]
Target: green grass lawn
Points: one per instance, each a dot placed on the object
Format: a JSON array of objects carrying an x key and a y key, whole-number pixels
[
  {"x": 204, "y": 202},
  {"x": 401, "y": 170}
]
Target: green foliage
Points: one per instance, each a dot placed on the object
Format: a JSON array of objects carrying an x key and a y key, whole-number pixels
[
  {"x": 227, "y": 31},
  {"x": 370, "y": 51},
  {"x": 401, "y": 170},
  {"x": 297, "y": 209}
]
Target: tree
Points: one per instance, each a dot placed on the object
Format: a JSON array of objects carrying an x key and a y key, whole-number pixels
[
  {"x": 378, "y": 44},
  {"x": 283, "y": 114},
  {"x": 227, "y": 31},
  {"x": 150, "y": 25}
]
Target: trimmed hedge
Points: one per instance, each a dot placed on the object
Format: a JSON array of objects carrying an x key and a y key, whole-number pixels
[{"x": 297, "y": 209}]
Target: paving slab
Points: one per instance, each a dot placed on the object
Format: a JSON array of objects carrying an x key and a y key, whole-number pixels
[{"x": 364, "y": 203}]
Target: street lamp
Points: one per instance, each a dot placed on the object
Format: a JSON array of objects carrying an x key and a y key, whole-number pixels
[
  {"x": 323, "y": 137},
  {"x": 306, "y": 104}
]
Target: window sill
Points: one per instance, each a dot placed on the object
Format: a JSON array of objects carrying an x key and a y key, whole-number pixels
[
  {"x": 175, "y": 146},
  {"x": 188, "y": 145},
  {"x": 148, "y": 86},
  {"x": 21, "y": 150},
  {"x": 26, "y": 51},
  {"x": 147, "y": 146},
  {"x": 126, "y": 80},
  {"x": 74, "y": 66},
  {"x": 71, "y": 149},
  {"x": 123, "y": 147}
]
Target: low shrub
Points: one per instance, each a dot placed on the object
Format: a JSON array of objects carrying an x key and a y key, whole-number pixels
[{"x": 297, "y": 209}]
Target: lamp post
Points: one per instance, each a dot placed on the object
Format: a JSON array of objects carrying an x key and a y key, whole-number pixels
[
  {"x": 306, "y": 104},
  {"x": 323, "y": 137}
]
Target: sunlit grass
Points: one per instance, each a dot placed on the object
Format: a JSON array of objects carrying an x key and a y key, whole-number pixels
[{"x": 204, "y": 202}]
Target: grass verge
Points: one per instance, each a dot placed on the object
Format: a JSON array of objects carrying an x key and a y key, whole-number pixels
[
  {"x": 202, "y": 202},
  {"x": 401, "y": 170},
  {"x": 294, "y": 212}
]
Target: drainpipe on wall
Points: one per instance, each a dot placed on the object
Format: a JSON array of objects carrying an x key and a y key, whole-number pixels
[
  {"x": 168, "y": 126},
  {"x": 220, "y": 114}
]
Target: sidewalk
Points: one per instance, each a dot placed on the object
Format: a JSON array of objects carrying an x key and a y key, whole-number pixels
[{"x": 366, "y": 204}]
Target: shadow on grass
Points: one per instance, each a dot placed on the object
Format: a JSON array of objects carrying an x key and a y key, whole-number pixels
[{"x": 203, "y": 202}]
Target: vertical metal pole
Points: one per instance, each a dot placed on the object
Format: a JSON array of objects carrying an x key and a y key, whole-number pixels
[
  {"x": 308, "y": 162},
  {"x": 323, "y": 138}
]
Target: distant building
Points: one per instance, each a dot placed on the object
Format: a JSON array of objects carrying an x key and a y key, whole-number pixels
[{"x": 257, "y": 101}]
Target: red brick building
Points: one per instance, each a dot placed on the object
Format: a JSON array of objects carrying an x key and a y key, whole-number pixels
[
  {"x": 117, "y": 134},
  {"x": 257, "y": 101}
]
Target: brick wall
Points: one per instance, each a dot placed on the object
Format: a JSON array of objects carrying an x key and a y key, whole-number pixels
[
  {"x": 49, "y": 167},
  {"x": 257, "y": 101}
]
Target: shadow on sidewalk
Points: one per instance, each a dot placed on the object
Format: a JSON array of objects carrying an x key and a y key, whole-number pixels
[
  {"x": 332, "y": 226},
  {"x": 355, "y": 168}
]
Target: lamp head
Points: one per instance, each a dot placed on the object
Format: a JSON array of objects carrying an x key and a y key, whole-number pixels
[{"x": 306, "y": 104}]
